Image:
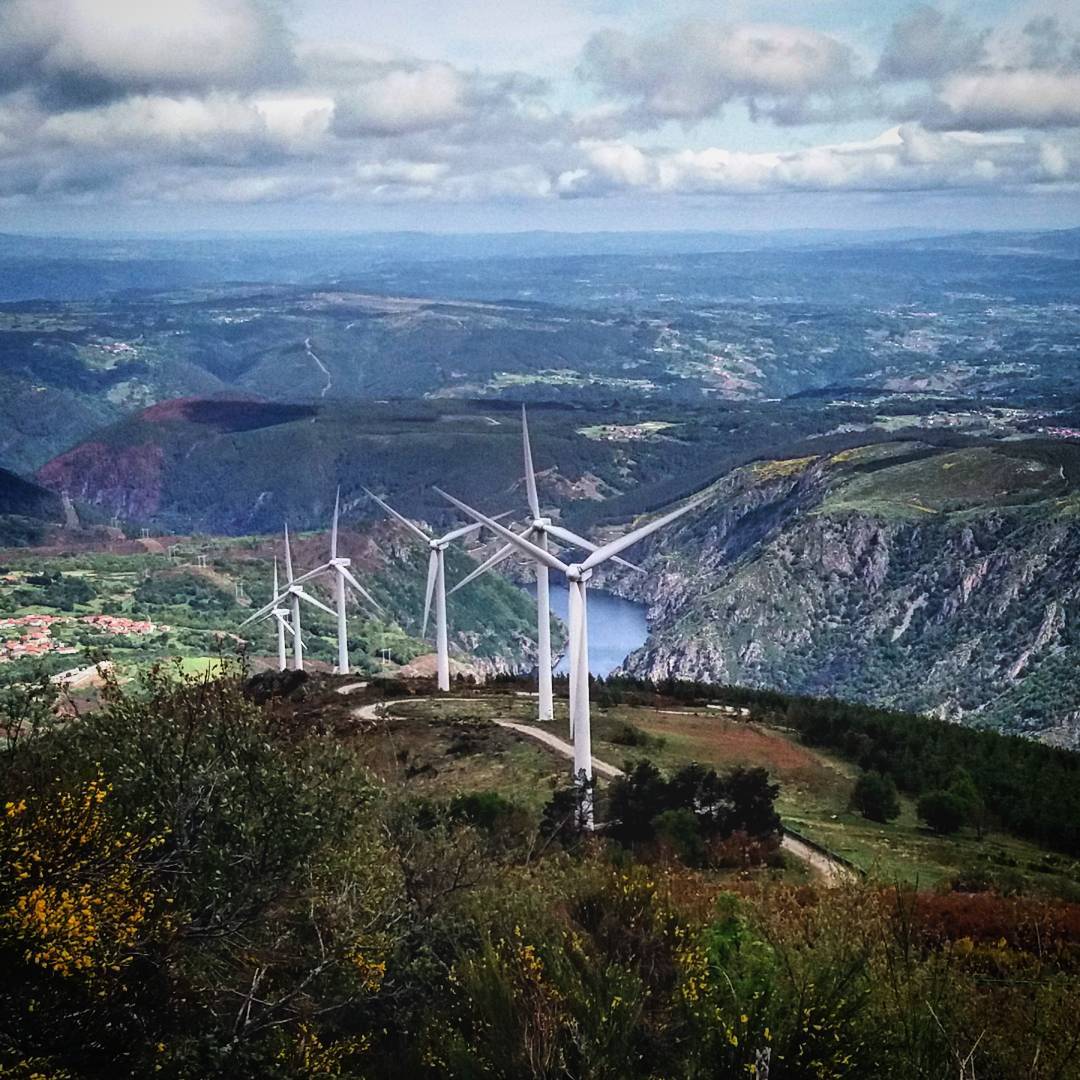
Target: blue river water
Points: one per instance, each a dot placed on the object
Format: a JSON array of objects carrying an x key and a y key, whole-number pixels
[{"x": 616, "y": 627}]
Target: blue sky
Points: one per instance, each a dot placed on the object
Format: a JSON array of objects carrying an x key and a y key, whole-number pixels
[{"x": 560, "y": 114}]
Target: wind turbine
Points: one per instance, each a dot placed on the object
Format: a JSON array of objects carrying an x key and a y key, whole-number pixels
[
  {"x": 280, "y": 616},
  {"x": 539, "y": 530},
  {"x": 577, "y": 577},
  {"x": 294, "y": 593},
  {"x": 343, "y": 577},
  {"x": 436, "y": 583}
]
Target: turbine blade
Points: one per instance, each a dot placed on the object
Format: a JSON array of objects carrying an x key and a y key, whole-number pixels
[
  {"x": 432, "y": 574},
  {"x": 308, "y": 598},
  {"x": 288, "y": 556},
  {"x": 359, "y": 588},
  {"x": 333, "y": 527},
  {"x": 519, "y": 542},
  {"x": 579, "y": 541},
  {"x": 265, "y": 610},
  {"x": 411, "y": 525},
  {"x": 530, "y": 471},
  {"x": 608, "y": 551},
  {"x": 456, "y": 534},
  {"x": 312, "y": 574},
  {"x": 277, "y": 587},
  {"x": 484, "y": 567}
]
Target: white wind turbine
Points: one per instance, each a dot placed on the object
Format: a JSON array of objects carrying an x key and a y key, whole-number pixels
[
  {"x": 280, "y": 616},
  {"x": 577, "y": 577},
  {"x": 343, "y": 576},
  {"x": 294, "y": 593},
  {"x": 436, "y": 584},
  {"x": 539, "y": 530}
]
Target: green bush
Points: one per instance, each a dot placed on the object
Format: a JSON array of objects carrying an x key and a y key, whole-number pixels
[
  {"x": 943, "y": 811},
  {"x": 875, "y": 797}
]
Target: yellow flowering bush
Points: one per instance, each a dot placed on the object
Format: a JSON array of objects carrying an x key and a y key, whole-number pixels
[{"x": 74, "y": 893}]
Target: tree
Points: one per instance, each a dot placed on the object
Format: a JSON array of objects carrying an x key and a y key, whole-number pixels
[
  {"x": 963, "y": 787},
  {"x": 943, "y": 811},
  {"x": 875, "y": 797}
]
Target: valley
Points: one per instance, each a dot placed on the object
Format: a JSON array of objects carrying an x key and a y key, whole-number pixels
[{"x": 885, "y": 432}]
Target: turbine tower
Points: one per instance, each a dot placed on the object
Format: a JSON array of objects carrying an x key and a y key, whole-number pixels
[
  {"x": 343, "y": 577},
  {"x": 294, "y": 593},
  {"x": 539, "y": 530},
  {"x": 280, "y": 616},
  {"x": 436, "y": 584},
  {"x": 577, "y": 578}
]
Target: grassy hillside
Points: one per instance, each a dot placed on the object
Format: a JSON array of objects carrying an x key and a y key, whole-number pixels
[
  {"x": 241, "y": 466},
  {"x": 402, "y": 906}
]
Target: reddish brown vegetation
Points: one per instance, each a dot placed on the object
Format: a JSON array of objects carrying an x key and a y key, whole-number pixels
[{"x": 125, "y": 479}]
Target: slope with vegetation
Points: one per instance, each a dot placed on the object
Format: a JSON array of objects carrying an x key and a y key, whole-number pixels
[
  {"x": 906, "y": 574},
  {"x": 200, "y": 879},
  {"x": 142, "y": 607}
]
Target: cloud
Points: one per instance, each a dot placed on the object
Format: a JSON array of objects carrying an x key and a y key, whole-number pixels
[
  {"x": 397, "y": 100},
  {"x": 692, "y": 70},
  {"x": 925, "y": 44},
  {"x": 996, "y": 100},
  {"x": 214, "y": 101},
  {"x": 905, "y": 158},
  {"x": 83, "y": 52}
]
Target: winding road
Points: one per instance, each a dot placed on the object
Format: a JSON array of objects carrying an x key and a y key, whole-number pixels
[
  {"x": 321, "y": 366},
  {"x": 830, "y": 869}
]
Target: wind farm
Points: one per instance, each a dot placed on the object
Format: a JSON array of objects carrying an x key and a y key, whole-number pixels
[{"x": 537, "y": 541}]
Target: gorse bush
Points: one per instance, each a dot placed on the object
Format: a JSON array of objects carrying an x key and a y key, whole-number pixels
[{"x": 193, "y": 885}]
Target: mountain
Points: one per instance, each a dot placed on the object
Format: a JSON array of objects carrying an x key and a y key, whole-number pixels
[
  {"x": 919, "y": 577},
  {"x": 25, "y": 509},
  {"x": 985, "y": 317},
  {"x": 239, "y": 465}
]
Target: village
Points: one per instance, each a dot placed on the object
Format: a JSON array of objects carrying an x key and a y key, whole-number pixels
[{"x": 29, "y": 636}]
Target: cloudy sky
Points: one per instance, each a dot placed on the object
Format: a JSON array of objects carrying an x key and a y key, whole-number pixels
[{"x": 552, "y": 114}]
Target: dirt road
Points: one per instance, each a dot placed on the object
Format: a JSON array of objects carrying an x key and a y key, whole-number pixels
[{"x": 831, "y": 870}]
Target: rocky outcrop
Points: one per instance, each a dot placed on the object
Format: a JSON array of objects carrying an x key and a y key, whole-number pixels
[{"x": 964, "y": 612}]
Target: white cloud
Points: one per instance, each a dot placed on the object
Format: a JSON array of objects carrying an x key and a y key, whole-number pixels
[
  {"x": 990, "y": 100},
  {"x": 901, "y": 158},
  {"x": 80, "y": 51},
  {"x": 401, "y": 100},
  {"x": 204, "y": 100},
  {"x": 925, "y": 44},
  {"x": 692, "y": 70}
]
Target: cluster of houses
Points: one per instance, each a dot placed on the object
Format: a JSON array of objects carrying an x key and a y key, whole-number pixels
[{"x": 29, "y": 636}]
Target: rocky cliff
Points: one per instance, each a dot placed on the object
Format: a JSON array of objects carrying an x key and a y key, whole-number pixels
[{"x": 906, "y": 575}]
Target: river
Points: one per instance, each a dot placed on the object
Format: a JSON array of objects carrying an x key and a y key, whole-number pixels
[{"x": 616, "y": 627}]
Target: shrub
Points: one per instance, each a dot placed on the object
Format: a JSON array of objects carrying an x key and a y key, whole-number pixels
[
  {"x": 943, "y": 811},
  {"x": 643, "y": 804},
  {"x": 628, "y": 735},
  {"x": 875, "y": 797}
]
